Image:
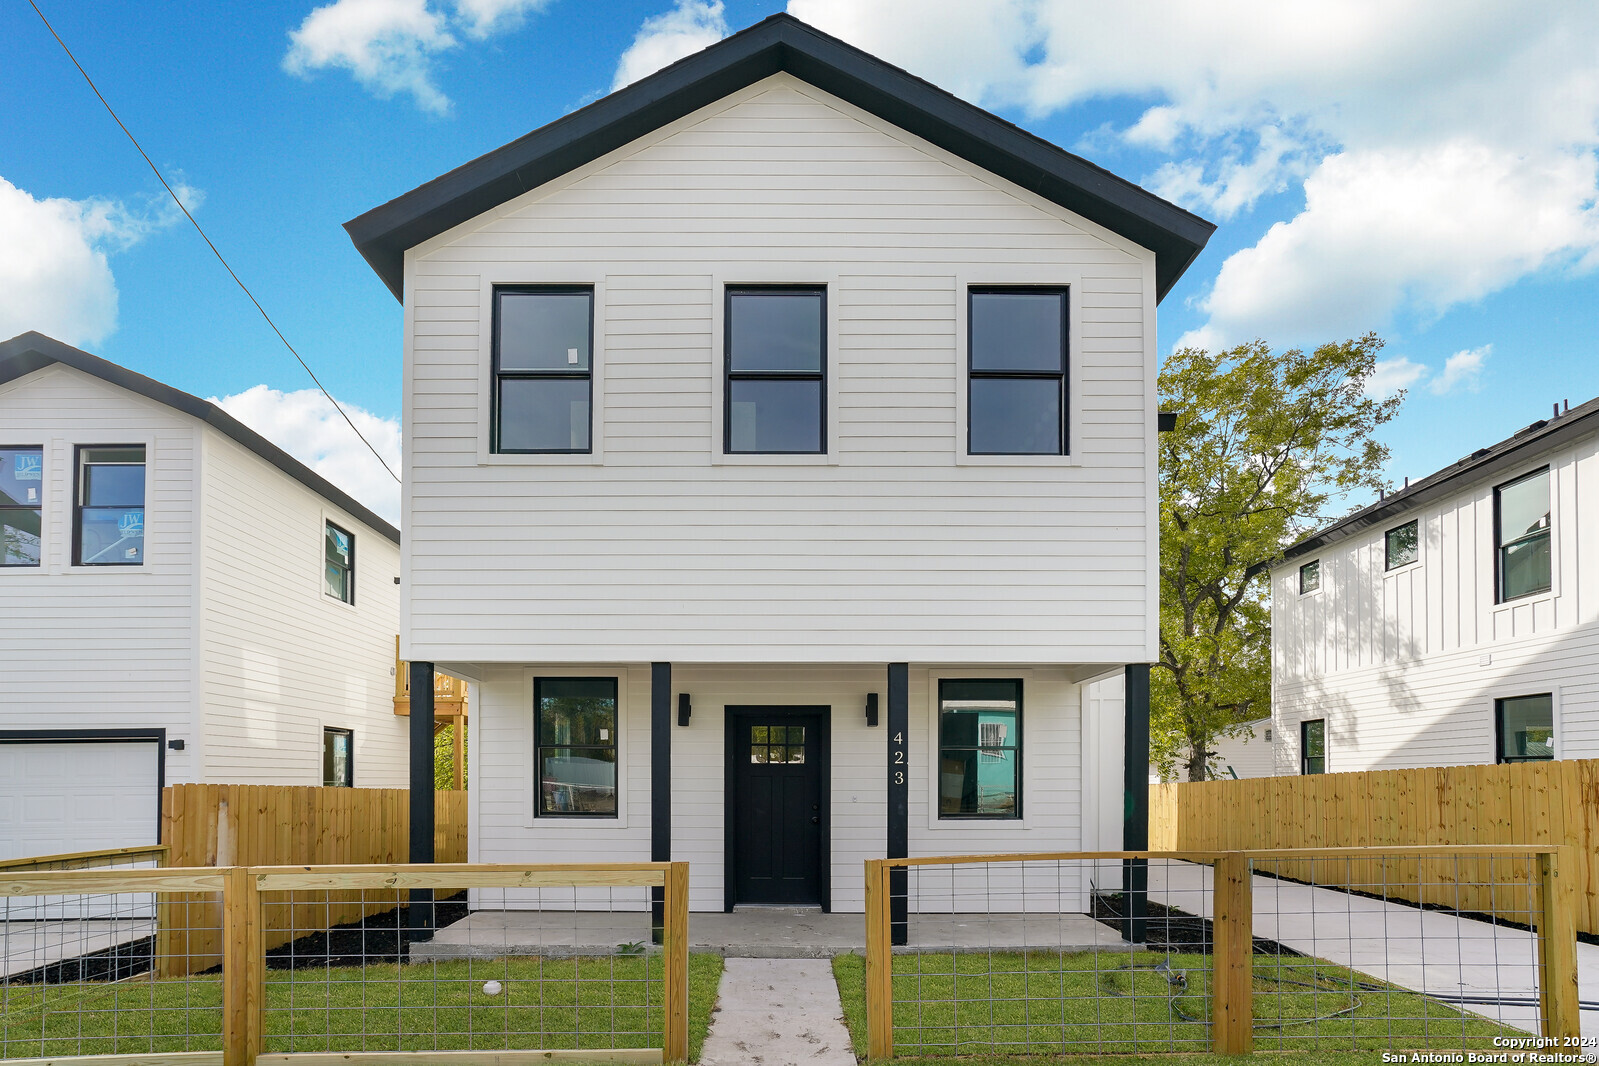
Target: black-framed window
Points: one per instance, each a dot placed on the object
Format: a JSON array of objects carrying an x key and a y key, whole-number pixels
[
  {"x": 338, "y": 567},
  {"x": 108, "y": 516},
  {"x": 1401, "y": 545},
  {"x": 1521, "y": 535},
  {"x": 979, "y": 748},
  {"x": 1310, "y": 577},
  {"x": 1016, "y": 371},
  {"x": 1524, "y": 728},
  {"x": 338, "y": 758},
  {"x": 775, "y": 394},
  {"x": 575, "y": 742},
  {"x": 1313, "y": 746},
  {"x": 543, "y": 369},
  {"x": 21, "y": 504}
]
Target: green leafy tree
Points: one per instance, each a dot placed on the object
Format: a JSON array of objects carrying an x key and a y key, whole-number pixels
[
  {"x": 444, "y": 759},
  {"x": 1266, "y": 444}
]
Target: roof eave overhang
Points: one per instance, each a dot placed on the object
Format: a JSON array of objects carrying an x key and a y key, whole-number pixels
[{"x": 778, "y": 44}]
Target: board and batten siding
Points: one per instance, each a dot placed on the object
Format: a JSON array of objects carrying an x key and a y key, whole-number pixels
[
  {"x": 280, "y": 658},
  {"x": 895, "y": 546},
  {"x": 502, "y": 768},
  {"x": 1405, "y": 665},
  {"x": 102, "y": 647}
]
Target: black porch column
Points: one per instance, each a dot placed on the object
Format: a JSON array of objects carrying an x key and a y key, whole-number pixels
[
  {"x": 899, "y": 790},
  {"x": 419, "y": 914},
  {"x": 1135, "y": 798},
  {"x": 660, "y": 785}
]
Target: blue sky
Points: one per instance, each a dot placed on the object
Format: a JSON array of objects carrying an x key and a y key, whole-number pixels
[{"x": 1423, "y": 169}]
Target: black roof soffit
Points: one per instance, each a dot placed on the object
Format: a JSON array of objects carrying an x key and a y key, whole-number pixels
[
  {"x": 22, "y": 355},
  {"x": 777, "y": 44}
]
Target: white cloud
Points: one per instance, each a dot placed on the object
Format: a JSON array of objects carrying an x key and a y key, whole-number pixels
[
  {"x": 55, "y": 275},
  {"x": 666, "y": 38},
  {"x": 1391, "y": 375},
  {"x": 1443, "y": 144},
  {"x": 388, "y": 45},
  {"x": 1463, "y": 370},
  {"x": 484, "y": 18},
  {"x": 305, "y": 425}
]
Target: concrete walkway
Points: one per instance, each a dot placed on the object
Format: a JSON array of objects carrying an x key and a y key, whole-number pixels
[
  {"x": 778, "y": 1012},
  {"x": 1488, "y": 969}
]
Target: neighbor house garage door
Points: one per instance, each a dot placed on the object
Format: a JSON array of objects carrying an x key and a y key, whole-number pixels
[{"x": 64, "y": 795}]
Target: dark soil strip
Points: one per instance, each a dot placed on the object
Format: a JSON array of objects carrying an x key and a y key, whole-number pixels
[
  {"x": 1169, "y": 929},
  {"x": 377, "y": 938}
]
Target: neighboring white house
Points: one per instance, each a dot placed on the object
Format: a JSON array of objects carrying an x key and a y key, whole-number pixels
[
  {"x": 1247, "y": 755},
  {"x": 780, "y": 467},
  {"x": 1454, "y": 622},
  {"x": 182, "y": 602}
]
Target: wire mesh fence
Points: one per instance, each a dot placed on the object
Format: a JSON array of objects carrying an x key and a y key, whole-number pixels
[{"x": 1151, "y": 953}]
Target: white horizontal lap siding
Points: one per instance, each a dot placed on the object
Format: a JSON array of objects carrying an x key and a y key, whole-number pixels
[
  {"x": 1052, "y": 802},
  {"x": 892, "y": 550},
  {"x": 101, "y": 647},
  {"x": 282, "y": 660}
]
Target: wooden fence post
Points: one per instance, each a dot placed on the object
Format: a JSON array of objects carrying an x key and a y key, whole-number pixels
[
  {"x": 243, "y": 968},
  {"x": 879, "y": 963},
  {"x": 1232, "y": 1009},
  {"x": 1557, "y": 944},
  {"x": 675, "y": 1036}
]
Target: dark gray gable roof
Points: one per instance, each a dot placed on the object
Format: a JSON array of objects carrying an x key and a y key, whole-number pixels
[
  {"x": 1520, "y": 448},
  {"x": 779, "y": 43},
  {"x": 34, "y": 351}
]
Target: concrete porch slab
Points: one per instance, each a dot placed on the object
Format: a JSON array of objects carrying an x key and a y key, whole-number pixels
[{"x": 757, "y": 933}]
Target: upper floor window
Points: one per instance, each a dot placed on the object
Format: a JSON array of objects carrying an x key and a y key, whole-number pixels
[
  {"x": 338, "y": 571},
  {"x": 575, "y": 727},
  {"x": 1400, "y": 547},
  {"x": 1310, "y": 577},
  {"x": 1525, "y": 728},
  {"x": 543, "y": 369},
  {"x": 1313, "y": 746},
  {"x": 21, "y": 505},
  {"x": 109, "y": 515},
  {"x": 1521, "y": 535},
  {"x": 338, "y": 758},
  {"x": 776, "y": 374},
  {"x": 979, "y": 748},
  {"x": 1016, "y": 377}
]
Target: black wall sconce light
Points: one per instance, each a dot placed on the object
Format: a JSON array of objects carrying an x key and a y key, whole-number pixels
[
  {"x": 871, "y": 708},
  {"x": 684, "y": 709}
]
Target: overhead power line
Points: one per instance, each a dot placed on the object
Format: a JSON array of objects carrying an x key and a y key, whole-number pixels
[{"x": 208, "y": 243}]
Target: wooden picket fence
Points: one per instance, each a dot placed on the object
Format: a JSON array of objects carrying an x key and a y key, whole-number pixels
[
  {"x": 210, "y": 825},
  {"x": 1541, "y": 804}
]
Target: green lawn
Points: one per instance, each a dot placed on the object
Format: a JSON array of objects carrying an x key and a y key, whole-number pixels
[
  {"x": 1048, "y": 1003},
  {"x": 543, "y": 1003}
]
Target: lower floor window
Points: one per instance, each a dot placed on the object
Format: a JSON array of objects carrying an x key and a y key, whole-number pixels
[
  {"x": 979, "y": 748},
  {"x": 575, "y": 745},
  {"x": 1313, "y": 746},
  {"x": 1525, "y": 727},
  {"x": 338, "y": 758}
]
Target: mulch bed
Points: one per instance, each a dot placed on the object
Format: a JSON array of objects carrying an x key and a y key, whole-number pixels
[
  {"x": 1169, "y": 929},
  {"x": 377, "y": 938}
]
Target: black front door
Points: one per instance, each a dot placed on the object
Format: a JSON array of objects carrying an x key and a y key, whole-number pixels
[{"x": 778, "y": 805}]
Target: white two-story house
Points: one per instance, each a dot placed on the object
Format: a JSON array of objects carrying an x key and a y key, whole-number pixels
[
  {"x": 180, "y": 601},
  {"x": 1453, "y": 622},
  {"x": 780, "y": 468}
]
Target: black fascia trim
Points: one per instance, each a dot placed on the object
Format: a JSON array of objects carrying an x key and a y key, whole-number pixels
[
  {"x": 780, "y": 43},
  {"x": 77, "y": 736},
  {"x": 731, "y": 713},
  {"x": 31, "y": 351},
  {"x": 1484, "y": 463}
]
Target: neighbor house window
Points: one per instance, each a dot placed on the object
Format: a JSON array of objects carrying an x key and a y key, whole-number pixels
[
  {"x": 109, "y": 516},
  {"x": 1310, "y": 577},
  {"x": 338, "y": 758},
  {"x": 338, "y": 569},
  {"x": 543, "y": 369},
  {"x": 776, "y": 373},
  {"x": 21, "y": 505},
  {"x": 1521, "y": 520},
  {"x": 1016, "y": 373},
  {"x": 1313, "y": 746},
  {"x": 1525, "y": 727},
  {"x": 1400, "y": 547},
  {"x": 576, "y": 745},
  {"x": 979, "y": 749}
]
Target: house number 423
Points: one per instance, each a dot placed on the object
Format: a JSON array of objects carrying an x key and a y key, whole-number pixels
[{"x": 896, "y": 756}]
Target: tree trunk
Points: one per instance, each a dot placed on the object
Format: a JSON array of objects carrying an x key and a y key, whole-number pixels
[{"x": 1197, "y": 762}]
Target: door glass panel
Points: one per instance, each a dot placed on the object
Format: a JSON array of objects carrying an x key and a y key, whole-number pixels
[{"x": 778, "y": 744}]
